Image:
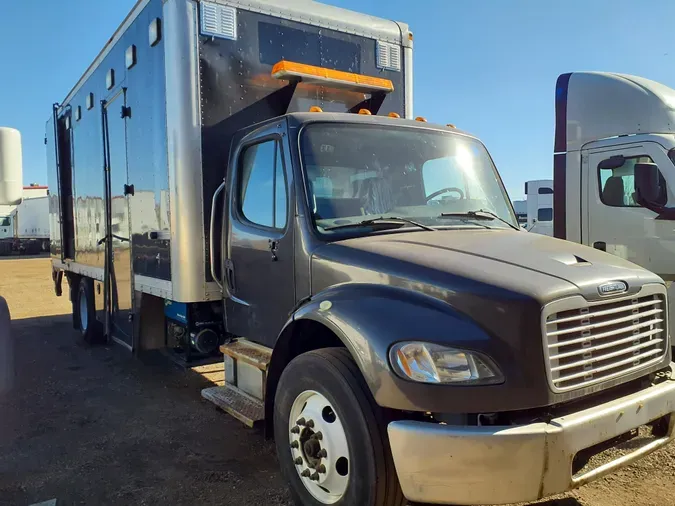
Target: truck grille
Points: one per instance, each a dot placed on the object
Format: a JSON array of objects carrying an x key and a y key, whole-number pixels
[{"x": 588, "y": 343}]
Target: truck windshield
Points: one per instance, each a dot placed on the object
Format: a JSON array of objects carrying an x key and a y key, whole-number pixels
[
  {"x": 356, "y": 173},
  {"x": 4, "y": 221}
]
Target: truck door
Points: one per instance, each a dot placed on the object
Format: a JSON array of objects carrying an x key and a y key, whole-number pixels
[
  {"x": 258, "y": 265},
  {"x": 118, "y": 246},
  {"x": 613, "y": 221}
]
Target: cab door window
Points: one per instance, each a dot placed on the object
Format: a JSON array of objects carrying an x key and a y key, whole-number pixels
[
  {"x": 262, "y": 186},
  {"x": 617, "y": 184}
]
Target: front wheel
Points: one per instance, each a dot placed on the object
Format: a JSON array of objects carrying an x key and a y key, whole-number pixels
[{"x": 330, "y": 434}]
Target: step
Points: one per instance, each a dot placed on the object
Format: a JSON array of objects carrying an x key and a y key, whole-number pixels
[
  {"x": 244, "y": 350},
  {"x": 237, "y": 403}
]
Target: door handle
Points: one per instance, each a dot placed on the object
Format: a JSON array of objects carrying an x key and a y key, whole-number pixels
[
  {"x": 273, "y": 245},
  {"x": 601, "y": 245}
]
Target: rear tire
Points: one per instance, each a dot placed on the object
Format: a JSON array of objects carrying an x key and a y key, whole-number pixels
[
  {"x": 85, "y": 312},
  {"x": 354, "y": 459}
]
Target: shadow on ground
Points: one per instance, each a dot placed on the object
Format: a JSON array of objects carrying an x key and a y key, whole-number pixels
[{"x": 93, "y": 425}]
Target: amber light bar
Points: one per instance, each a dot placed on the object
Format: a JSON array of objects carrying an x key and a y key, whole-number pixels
[{"x": 335, "y": 78}]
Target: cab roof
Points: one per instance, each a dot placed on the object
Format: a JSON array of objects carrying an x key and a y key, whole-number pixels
[{"x": 598, "y": 105}]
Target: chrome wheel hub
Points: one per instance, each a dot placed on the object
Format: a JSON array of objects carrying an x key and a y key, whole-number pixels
[{"x": 319, "y": 447}]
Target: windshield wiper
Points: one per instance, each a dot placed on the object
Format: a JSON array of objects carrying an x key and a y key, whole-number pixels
[
  {"x": 392, "y": 221},
  {"x": 480, "y": 214}
]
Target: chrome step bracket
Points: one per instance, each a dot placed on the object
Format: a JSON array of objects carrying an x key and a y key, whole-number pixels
[{"x": 237, "y": 403}]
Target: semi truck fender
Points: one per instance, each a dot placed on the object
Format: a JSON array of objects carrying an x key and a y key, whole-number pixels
[{"x": 368, "y": 320}]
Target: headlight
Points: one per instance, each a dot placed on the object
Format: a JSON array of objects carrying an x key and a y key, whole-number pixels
[{"x": 433, "y": 363}]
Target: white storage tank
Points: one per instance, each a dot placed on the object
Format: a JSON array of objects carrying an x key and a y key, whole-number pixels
[{"x": 11, "y": 168}]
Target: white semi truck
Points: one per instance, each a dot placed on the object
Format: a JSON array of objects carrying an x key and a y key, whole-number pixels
[
  {"x": 24, "y": 229},
  {"x": 614, "y": 168},
  {"x": 264, "y": 197},
  {"x": 539, "y": 199},
  {"x": 24, "y": 218}
]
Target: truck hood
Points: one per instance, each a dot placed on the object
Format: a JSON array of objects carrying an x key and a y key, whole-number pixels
[{"x": 530, "y": 264}]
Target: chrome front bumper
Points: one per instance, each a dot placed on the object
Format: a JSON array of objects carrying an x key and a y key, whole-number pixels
[{"x": 443, "y": 464}]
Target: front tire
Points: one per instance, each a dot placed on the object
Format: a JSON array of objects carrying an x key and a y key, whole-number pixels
[
  {"x": 330, "y": 434},
  {"x": 85, "y": 310}
]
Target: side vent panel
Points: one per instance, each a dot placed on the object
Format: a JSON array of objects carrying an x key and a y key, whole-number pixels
[
  {"x": 388, "y": 56},
  {"x": 218, "y": 21}
]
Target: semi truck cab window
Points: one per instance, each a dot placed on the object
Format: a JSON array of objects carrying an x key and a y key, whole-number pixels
[
  {"x": 617, "y": 185},
  {"x": 4, "y": 222},
  {"x": 262, "y": 185},
  {"x": 545, "y": 214}
]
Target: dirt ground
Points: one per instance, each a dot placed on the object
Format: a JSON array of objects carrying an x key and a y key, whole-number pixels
[{"x": 93, "y": 425}]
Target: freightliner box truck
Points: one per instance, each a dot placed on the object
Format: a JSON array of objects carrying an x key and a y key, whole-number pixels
[{"x": 244, "y": 181}]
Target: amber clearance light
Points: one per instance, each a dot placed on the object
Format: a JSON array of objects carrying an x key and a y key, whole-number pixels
[{"x": 336, "y": 78}]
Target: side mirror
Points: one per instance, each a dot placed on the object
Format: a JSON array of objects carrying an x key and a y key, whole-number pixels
[{"x": 650, "y": 186}]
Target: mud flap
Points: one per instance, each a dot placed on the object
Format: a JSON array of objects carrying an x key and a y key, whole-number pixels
[{"x": 57, "y": 277}]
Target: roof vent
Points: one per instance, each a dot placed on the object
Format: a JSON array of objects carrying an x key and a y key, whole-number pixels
[{"x": 218, "y": 21}]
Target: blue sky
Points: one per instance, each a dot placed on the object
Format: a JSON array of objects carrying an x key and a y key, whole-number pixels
[{"x": 488, "y": 66}]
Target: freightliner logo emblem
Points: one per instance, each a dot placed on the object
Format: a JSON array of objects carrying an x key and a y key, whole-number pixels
[{"x": 612, "y": 288}]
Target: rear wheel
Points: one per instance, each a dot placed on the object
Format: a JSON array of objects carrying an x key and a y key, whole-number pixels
[
  {"x": 330, "y": 434},
  {"x": 85, "y": 309}
]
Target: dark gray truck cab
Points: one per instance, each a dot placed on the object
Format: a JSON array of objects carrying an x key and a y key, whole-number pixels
[{"x": 570, "y": 342}]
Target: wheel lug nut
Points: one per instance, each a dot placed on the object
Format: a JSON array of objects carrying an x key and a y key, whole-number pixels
[
  {"x": 301, "y": 421},
  {"x": 305, "y": 473},
  {"x": 310, "y": 423},
  {"x": 295, "y": 430},
  {"x": 314, "y": 477},
  {"x": 298, "y": 461},
  {"x": 321, "y": 469},
  {"x": 318, "y": 436},
  {"x": 295, "y": 444},
  {"x": 323, "y": 453}
]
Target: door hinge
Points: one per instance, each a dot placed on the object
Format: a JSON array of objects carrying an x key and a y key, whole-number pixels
[{"x": 126, "y": 112}]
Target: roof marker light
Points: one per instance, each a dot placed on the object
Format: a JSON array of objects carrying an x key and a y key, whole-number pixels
[
  {"x": 421, "y": 118},
  {"x": 365, "y": 112},
  {"x": 293, "y": 71},
  {"x": 394, "y": 115},
  {"x": 450, "y": 125},
  {"x": 315, "y": 108}
]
